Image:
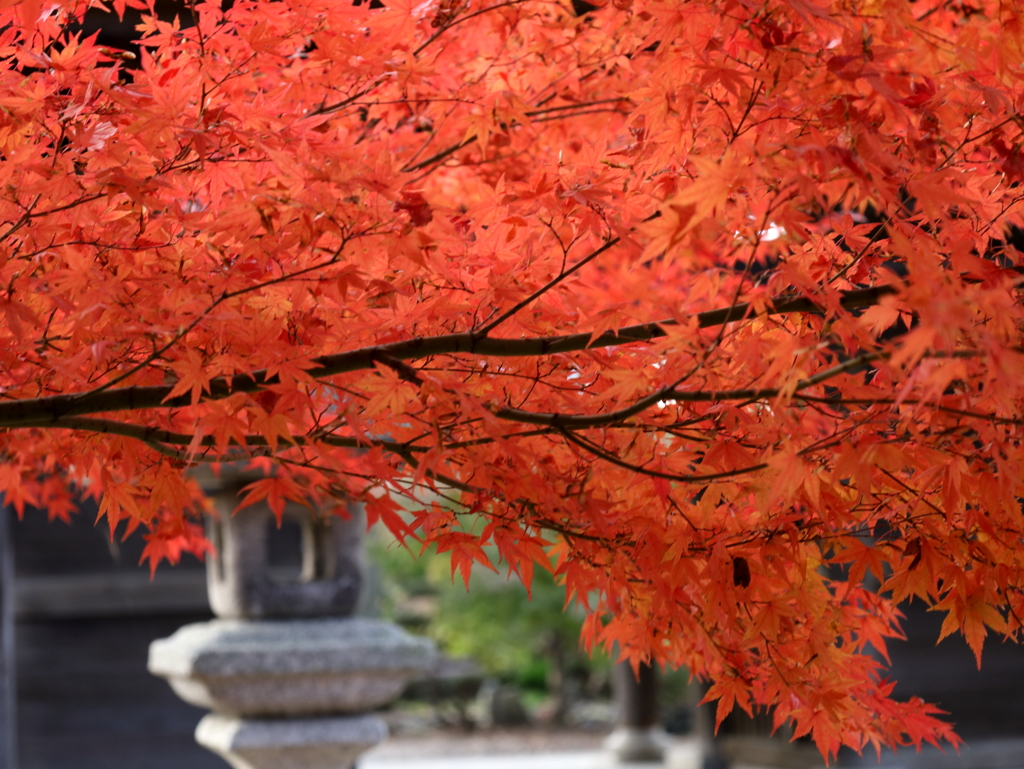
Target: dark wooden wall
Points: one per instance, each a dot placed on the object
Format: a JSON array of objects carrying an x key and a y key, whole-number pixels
[
  {"x": 8, "y": 718},
  {"x": 86, "y": 616}
]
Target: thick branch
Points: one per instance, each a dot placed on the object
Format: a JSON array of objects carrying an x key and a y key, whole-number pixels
[
  {"x": 580, "y": 421},
  {"x": 42, "y": 412},
  {"x": 154, "y": 436}
]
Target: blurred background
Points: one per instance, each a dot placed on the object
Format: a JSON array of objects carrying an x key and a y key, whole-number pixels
[
  {"x": 511, "y": 677},
  {"x": 86, "y": 613}
]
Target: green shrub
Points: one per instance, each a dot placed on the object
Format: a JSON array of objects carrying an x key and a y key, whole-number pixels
[{"x": 534, "y": 643}]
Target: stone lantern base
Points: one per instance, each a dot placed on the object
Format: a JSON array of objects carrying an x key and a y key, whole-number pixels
[
  {"x": 293, "y": 743},
  {"x": 290, "y": 694},
  {"x": 637, "y": 744},
  {"x": 290, "y": 675}
]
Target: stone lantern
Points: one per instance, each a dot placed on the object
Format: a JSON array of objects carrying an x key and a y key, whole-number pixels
[{"x": 288, "y": 672}]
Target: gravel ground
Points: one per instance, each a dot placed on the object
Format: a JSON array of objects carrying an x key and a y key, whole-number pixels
[{"x": 456, "y": 742}]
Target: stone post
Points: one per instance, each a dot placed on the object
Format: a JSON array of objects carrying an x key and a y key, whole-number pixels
[
  {"x": 704, "y": 728},
  {"x": 289, "y": 674},
  {"x": 637, "y": 736}
]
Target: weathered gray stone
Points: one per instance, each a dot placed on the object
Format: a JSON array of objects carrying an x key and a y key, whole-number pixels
[
  {"x": 240, "y": 581},
  {"x": 637, "y": 744},
  {"x": 295, "y": 667},
  {"x": 501, "y": 705},
  {"x": 308, "y": 743},
  {"x": 307, "y": 674}
]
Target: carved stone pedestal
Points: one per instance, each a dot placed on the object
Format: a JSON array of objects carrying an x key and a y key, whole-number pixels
[
  {"x": 289, "y": 667},
  {"x": 277, "y": 687},
  {"x": 287, "y": 691},
  {"x": 295, "y": 743}
]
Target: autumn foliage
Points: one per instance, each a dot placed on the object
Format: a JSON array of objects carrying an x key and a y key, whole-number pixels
[{"x": 711, "y": 304}]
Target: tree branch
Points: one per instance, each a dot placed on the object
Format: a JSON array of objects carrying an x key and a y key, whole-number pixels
[
  {"x": 482, "y": 332},
  {"x": 442, "y": 154},
  {"x": 158, "y": 435},
  {"x": 47, "y": 411},
  {"x": 600, "y": 453}
]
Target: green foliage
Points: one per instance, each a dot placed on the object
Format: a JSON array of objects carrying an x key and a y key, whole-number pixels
[{"x": 495, "y": 622}]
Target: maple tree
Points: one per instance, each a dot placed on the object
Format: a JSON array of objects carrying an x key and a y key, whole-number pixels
[{"x": 711, "y": 304}]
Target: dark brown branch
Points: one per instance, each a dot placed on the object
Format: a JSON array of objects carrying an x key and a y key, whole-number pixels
[
  {"x": 46, "y": 411},
  {"x": 577, "y": 422},
  {"x": 772, "y": 392},
  {"x": 600, "y": 453},
  {"x": 442, "y": 154},
  {"x": 157, "y": 435},
  {"x": 607, "y": 456}
]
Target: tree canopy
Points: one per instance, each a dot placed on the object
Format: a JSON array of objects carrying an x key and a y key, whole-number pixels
[{"x": 712, "y": 306}]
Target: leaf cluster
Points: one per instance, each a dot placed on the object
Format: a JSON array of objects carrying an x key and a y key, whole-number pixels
[{"x": 694, "y": 299}]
